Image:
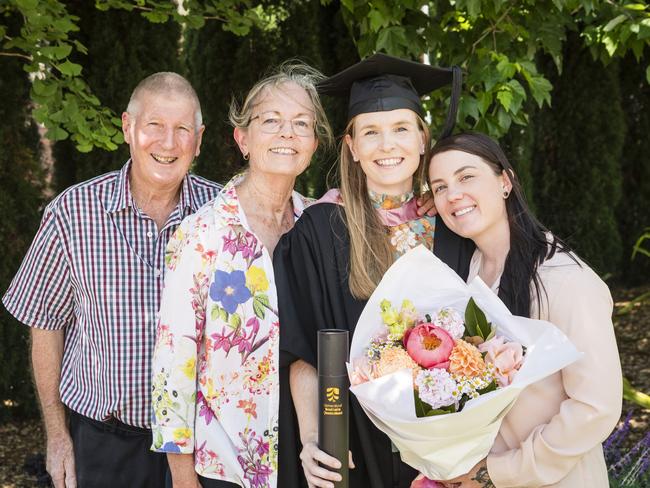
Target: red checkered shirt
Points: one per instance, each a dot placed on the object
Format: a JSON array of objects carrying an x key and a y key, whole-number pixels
[{"x": 95, "y": 268}]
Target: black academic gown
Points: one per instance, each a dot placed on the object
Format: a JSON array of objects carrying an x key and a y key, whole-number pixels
[{"x": 311, "y": 264}]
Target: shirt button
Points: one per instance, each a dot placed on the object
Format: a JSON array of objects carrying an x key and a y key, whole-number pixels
[
  {"x": 157, "y": 272},
  {"x": 149, "y": 235}
]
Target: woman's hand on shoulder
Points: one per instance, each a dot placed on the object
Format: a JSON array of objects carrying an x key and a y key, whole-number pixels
[
  {"x": 320, "y": 476},
  {"x": 426, "y": 205}
]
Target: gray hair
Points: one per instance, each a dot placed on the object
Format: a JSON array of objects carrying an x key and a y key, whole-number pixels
[
  {"x": 166, "y": 82},
  {"x": 291, "y": 71}
]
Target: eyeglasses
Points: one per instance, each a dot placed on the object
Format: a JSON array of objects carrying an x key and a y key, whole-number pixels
[{"x": 270, "y": 124}]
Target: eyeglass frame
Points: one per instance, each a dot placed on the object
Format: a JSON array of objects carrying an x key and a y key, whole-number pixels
[{"x": 312, "y": 127}]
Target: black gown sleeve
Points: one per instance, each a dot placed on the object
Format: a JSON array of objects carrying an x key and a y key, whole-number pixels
[{"x": 310, "y": 268}]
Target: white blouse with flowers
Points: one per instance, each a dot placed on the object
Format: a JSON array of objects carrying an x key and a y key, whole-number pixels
[{"x": 215, "y": 389}]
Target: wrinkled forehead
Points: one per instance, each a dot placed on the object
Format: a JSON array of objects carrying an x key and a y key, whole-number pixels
[
  {"x": 151, "y": 101},
  {"x": 284, "y": 97}
]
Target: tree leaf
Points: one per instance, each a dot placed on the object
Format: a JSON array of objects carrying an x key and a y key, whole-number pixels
[
  {"x": 468, "y": 107},
  {"x": 70, "y": 69},
  {"x": 27, "y": 4},
  {"x": 391, "y": 39},
  {"x": 611, "y": 25},
  {"x": 377, "y": 20},
  {"x": 84, "y": 147},
  {"x": 44, "y": 88},
  {"x": 60, "y": 51},
  {"x": 56, "y": 133},
  {"x": 505, "y": 97},
  {"x": 504, "y": 119},
  {"x": 349, "y": 4},
  {"x": 540, "y": 89},
  {"x": 644, "y": 29},
  {"x": 647, "y": 74},
  {"x": 635, "y": 6}
]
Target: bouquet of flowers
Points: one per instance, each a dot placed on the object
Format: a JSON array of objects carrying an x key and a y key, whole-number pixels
[
  {"x": 452, "y": 359},
  {"x": 437, "y": 381}
]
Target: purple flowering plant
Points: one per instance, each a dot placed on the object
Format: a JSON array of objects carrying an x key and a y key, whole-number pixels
[{"x": 627, "y": 467}]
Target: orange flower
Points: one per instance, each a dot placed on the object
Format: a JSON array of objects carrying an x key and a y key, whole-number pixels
[
  {"x": 466, "y": 360},
  {"x": 393, "y": 359},
  {"x": 249, "y": 407}
]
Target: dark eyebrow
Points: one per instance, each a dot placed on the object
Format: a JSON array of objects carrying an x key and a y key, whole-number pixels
[{"x": 459, "y": 170}]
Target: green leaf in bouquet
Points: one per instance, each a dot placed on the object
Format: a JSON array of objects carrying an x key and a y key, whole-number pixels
[
  {"x": 423, "y": 409},
  {"x": 476, "y": 323},
  {"x": 493, "y": 332},
  {"x": 491, "y": 387},
  {"x": 441, "y": 411}
]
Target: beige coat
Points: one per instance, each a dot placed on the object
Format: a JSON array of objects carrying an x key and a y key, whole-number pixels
[{"x": 553, "y": 434}]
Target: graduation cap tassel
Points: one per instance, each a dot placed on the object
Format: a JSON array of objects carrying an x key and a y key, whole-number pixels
[{"x": 456, "y": 87}]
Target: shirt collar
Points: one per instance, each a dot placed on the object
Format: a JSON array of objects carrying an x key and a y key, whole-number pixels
[
  {"x": 227, "y": 206},
  {"x": 121, "y": 197}
]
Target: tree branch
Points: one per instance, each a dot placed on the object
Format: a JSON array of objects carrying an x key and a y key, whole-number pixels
[{"x": 16, "y": 55}]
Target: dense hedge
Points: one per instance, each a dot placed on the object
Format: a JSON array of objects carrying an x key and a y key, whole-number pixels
[
  {"x": 576, "y": 156},
  {"x": 21, "y": 186}
]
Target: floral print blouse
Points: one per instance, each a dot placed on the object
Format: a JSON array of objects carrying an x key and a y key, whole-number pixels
[
  {"x": 407, "y": 235},
  {"x": 215, "y": 366}
]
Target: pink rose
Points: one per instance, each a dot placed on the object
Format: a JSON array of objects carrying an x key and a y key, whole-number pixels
[
  {"x": 505, "y": 356},
  {"x": 429, "y": 345},
  {"x": 361, "y": 371},
  {"x": 423, "y": 482}
]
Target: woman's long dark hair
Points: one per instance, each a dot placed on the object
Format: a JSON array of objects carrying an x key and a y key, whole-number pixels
[{"x": 529, "y": 244}]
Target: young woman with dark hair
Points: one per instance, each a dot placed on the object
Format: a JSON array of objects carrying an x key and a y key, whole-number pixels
[{"x": 553, "y": 434}]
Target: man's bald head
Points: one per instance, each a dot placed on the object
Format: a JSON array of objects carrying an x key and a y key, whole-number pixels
[{"x": 165, "y": 83}]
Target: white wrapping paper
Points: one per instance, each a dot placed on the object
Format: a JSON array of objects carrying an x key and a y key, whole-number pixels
[{"x": 445, "y": 446}]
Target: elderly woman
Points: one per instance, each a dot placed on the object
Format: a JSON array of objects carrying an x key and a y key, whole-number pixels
[
  {"x": 553, "y": 434},
  {"x": 215, "y": 368}
]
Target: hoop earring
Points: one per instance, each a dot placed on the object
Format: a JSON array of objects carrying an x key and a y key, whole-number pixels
[
  {"x": 506, "y": 193},
  {"x": 246, "y": 156}
]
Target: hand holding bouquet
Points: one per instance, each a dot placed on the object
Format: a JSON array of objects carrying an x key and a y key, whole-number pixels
[{"x": 439, "y": 374}]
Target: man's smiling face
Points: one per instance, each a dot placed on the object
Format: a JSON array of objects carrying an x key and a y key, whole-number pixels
[{"x": 163, "y": 138}]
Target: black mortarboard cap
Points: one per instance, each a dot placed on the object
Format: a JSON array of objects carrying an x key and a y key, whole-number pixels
[{"x": 381, "y": 83}]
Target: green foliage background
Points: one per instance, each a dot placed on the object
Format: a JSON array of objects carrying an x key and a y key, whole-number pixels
[{"x": 563, "y": 84}]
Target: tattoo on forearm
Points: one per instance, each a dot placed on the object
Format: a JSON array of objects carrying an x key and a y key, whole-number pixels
[{"x": 483, "y": 478}]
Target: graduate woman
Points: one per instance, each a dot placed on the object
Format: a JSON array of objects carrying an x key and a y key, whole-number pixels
[
  {"x": 553, "y": 434},
  {"x": 331, "y": 261}
]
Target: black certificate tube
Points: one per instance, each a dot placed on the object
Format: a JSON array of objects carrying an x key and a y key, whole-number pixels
[{"x": 333, "y": 396}]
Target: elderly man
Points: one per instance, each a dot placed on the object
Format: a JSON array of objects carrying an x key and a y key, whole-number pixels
[{"x": 90, "y": 287}]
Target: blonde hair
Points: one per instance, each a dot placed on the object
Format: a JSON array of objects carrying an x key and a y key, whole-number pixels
[
  {"x": 371, "y": 253},
  {"x": 290, "y": 71}
]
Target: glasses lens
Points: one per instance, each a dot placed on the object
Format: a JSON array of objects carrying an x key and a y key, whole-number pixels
[
  {"x": 273, "y": 125},
  {"x": 303, "y": 127}
]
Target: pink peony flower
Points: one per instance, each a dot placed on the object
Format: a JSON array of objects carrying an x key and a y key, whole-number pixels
[
  {"x": 505, "y": 356},
  {"x": 429, "y": 345},
  {"x": 423, "y": 482}
]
